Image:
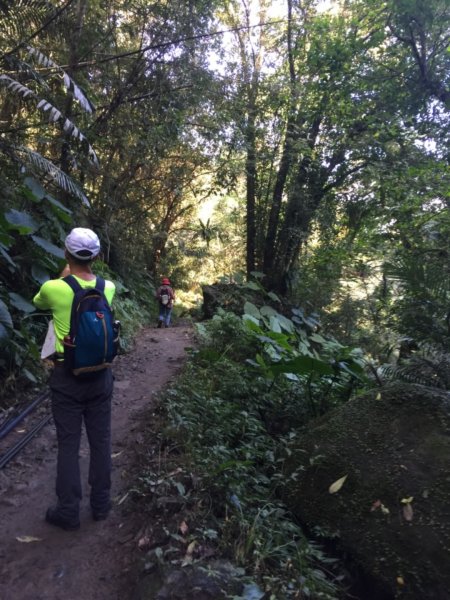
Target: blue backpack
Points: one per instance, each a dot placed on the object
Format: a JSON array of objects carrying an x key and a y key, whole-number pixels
[{"x": 93, "y": 337}]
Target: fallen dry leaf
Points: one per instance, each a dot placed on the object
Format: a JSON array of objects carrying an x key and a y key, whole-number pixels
[
  {"x": 189, "y": 552},
  {"x": 381, "y": 506},
  {"x": 191, "y": 548},
  {"x": 144, "y": 542},
  {"x": 26, "y": 539},
  {"x": 336, "y": 486},
  {"x": 184, "y": 528},
  {"x": 123, "y": 499},
  {"x": 408, "y": 512}
]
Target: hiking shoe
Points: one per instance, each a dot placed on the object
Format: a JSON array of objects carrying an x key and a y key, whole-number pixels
[
  {"x": 159, "y": 324},
  {"x": 53, "y": 517}
]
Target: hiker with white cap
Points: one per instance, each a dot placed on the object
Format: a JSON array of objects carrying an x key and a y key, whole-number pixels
[{"x": 80, "y": 393}]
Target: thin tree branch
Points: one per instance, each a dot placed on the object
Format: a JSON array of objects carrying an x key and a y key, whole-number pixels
[{"x": 171, "y": 43}]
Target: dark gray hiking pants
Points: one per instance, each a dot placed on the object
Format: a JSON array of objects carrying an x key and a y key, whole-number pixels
[{"x": 75, "y": 400}]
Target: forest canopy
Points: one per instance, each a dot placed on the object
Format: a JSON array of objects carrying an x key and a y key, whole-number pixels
[{"x": 304, "y": 143}]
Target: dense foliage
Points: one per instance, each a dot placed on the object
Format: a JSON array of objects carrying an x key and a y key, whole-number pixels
[
  {"x": 251, "y": 385},
  {"x": 93, "y": 132},
  {"x": 205, "y": 139},
  {"x": 298, "y": 151}
]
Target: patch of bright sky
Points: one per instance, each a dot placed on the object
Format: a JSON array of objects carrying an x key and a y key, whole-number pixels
[{"x": 277, "y": 10}]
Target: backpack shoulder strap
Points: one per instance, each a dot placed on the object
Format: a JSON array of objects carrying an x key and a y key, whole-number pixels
[
  {"x": 72, "y": 283},
  {"x": 76, "y": 287},
  {"x": 100, "y": 284}
]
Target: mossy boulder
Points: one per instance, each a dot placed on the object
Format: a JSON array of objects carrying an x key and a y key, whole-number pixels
[{"x": 392, "y": 512}]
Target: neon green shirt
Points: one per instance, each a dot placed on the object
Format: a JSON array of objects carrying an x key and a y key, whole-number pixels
[{"x": 57, "y": 296}]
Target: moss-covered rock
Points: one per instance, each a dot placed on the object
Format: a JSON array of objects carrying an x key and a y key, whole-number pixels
[{"x": 392, "y": 513}]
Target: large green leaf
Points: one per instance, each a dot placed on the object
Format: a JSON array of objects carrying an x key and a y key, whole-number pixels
[
  {"x": 35, "y": 187},
  {"x": 303, "y": 365},
  {"x": 29, "y": 375},
  {"x": 252, "y": 285},
  {"x": 6, "y": 239},
  {"x": 280, "y": 338},
  {"x": 7, "y": 257},
  {"x": 252, "y": 323},
  {"x": 286, "y": 323},
  {"x": 20, "y": 303},
  {"x": 3, "y": 333},
  {"x": 351, "y": 367},
  {"x": 268, "y": 311},
  {"x": 251, "y": 309},
  {"x": 39, "y": 274},
  {"x": 21, "y": 221},
  {"x": 275, "y": 325},
  {"x": 39, "y": 193},
  {"x": 65, "y": 214},
  {"x": 273, "y": 297},
  {"x": 5, "y": 317},
  {"x": 48, "y": 246}
]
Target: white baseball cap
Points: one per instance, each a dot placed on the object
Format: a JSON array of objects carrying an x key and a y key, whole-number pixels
[{"x": 82, "y": 243}]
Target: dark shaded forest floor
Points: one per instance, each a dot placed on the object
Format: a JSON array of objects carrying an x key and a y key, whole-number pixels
[{"x": 39, "y": 561}]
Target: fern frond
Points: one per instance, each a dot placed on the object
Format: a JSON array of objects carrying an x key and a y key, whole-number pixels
[
  {"x": 429, "y": 366},
  {"x": 43, "y": 165},
  {"x": 69, "y": 83},
  {"x": 17, "y": 87},
  {"x": 17, "y": 17},
  {"x": 54, "y": 114},
  {"x": 418, "y": 275}
]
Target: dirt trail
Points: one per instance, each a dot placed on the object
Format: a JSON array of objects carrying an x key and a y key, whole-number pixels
[{"x": 92, "y": 563}]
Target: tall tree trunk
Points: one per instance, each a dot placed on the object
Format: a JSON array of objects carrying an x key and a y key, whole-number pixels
[
  {"x": 251, "y": 72},
  {"x": 304, "y": 198},
  {"x": 292, "y": 134},
  {"x": 250, "y": 168}
]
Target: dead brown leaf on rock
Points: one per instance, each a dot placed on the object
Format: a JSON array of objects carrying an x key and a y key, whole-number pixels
[
  {"x": 336, "y": 486},
  {"x": 408, "y": 512},
  {"x": 144, "y": 542},
  {"x": 184, "y": 528}
]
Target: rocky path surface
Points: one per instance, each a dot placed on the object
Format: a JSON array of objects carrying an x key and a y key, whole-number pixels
[{"x": 41, "y": 562}]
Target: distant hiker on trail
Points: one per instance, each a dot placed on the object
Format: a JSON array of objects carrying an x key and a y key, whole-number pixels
[
  {"x": 165, "y": 296},
  {"x": 81, "y": 383}
]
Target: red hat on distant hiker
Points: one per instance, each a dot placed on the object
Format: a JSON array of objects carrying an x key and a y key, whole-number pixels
[{"x": 165, "y": 281}]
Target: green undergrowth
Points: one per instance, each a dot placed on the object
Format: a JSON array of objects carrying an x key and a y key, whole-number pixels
[{"x": 225, "y": 424}]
